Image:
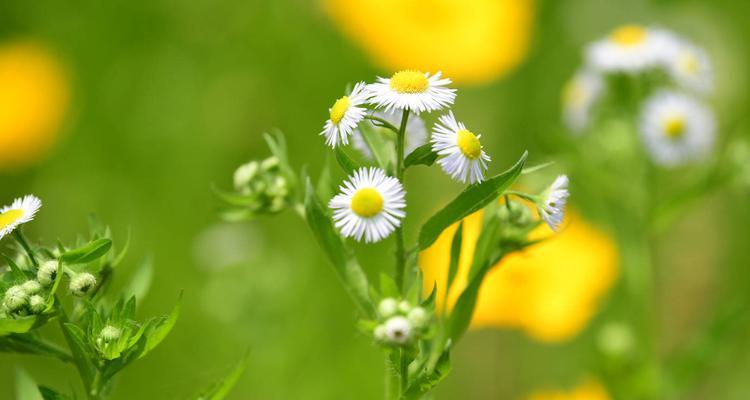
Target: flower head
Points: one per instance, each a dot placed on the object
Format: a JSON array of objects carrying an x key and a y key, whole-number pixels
[
  {"x": 82, "y": 283},
  {"x": 21, "y": 211},
  {"x": 552, "y": 206},
  {"x": 110, "y": 333},
  {"x": 416, "y": 132},
  {"x": 412, "y": 90},
  {"x": 37, "y": 304},
  {"x": 31, "y": 287},
  {"x": 370, "y": 205},
  {"x": 676, "y": 128},
  {"x": 345, "y": 115},
  {"x": 690, "y": 67},
  {"x": 630, "y": 49},
  {"x": 579, "y": 96},
  {"x": 387, "y": 307},
  {"x": 459, "y": 149}
]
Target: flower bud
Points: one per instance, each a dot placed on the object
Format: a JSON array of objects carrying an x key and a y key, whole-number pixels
[
  {"x": 398, "y": 330},
  {"x": 244, "y": 174},
  {"x": 387, "y": 307},
  {"x": 109, "y": 333},
  {"x": 31, "y": 287},
  {"x": 270, "y": 163},
  {"x": 82, "y": 283},
  {"x": 37, "y": 304},
  {"x": 47, "y": 273},
  {"x": 404, "y": 307},
  {"x": 15, "y": 298},
  {"x": 379, "y": 333},
  {"x": 417, "y": 317}
]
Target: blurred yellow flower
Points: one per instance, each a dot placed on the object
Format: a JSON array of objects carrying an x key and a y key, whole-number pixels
[
  {"x": 470, "y": 41},
  {"x": 588, "y": 390},
  {"x": 550, "y": 290},
  {"x": 33, "y": 99}
]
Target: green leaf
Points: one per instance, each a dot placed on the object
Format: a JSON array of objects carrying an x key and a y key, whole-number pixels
[
  {"x": 17, "y": 325},
  {"x": 472, "y": 199},
  {"x": 83, "y": 355},
  {"x": 51, "y": 394},
  {"x": 141, "y": 280},
  {"x": 429, "y": 379},
  {"x": 325, "y": 187},
  {"x": 342, "y": 258},
  {"x": 31, "y": 344},
  {"x": 388, "y": 287},
  {"x": 455, "y": 255},
  {"x": 422, "y": 155},
  {"x": 345, "y": 162},
  {"x": 380, "y": 147},
  {"x": 88, "y": 253},
  {"x": 26, "y": 388},
  {"x": 161, "y": 329},
  {"x": 220, "y": 389}
]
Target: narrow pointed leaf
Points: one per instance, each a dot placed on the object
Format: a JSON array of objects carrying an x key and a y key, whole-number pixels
[
  {"x": 87, "y": 253},
  {"x": 472, "y": 199},
  {"x": 422, "y": 155}
]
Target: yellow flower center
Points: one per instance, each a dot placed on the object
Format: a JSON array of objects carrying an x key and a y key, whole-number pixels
[
  {"x": 367, "y": 202},
  {"x": 409, "y": 81},
  {"x": 469, "y": 144},
  {"x": 629, "y": 35},
  {"x": 339, "y": 109},
  {"x": 10, "y": 217},
  {"x": 674, "y": 127}
]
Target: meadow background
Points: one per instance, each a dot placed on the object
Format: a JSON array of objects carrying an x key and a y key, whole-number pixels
[{"x": 163, "y": 99}]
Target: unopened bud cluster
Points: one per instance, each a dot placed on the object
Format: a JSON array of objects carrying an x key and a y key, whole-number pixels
[
  {"x": 265, "y": 184},
  {"x": 400, "y": 323},
  {"x": 24, "y": 299}
]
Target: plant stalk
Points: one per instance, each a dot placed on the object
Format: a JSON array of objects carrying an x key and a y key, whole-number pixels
[
  {"x": 400, "y": 250},
  {"x": 21, "y": 239}
]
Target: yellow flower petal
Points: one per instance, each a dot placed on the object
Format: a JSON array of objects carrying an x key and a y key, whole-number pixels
[
  {"x": 33, "y": 100},
  {"x": 470, "y": 41},
  {"x": 550, "y": 291}
]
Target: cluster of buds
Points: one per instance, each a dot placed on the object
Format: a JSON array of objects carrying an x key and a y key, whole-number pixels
[
  {"x": 400, "y": 323},
  {"x": 82, "y": 283},
  {"x": 24, "y": 299},
  {"x": 263, "y": 183}
]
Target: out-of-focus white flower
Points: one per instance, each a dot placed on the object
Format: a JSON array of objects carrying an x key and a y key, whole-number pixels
[
  {"x": 630, "y": 49},
  {"x": 690, "y": 67},
  {"x": 398, "y": 330},
  {"x": 579, "y": 96},
  {"x": 676, "y": 128},
  {"x": 416, "y": 132},
  {"x": 552, "y": 207}
]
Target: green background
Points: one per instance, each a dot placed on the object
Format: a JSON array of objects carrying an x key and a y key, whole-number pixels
[{"x": 170, "y": 96}]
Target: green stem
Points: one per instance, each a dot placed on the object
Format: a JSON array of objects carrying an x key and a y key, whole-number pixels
[
  {"x": 391, "y": 379},
  {"x": 400, "y": 252},
  {"x": 404, "y": 372},
  {"x": 385, "y": 123},
  {"x": 22, "y": 241}
]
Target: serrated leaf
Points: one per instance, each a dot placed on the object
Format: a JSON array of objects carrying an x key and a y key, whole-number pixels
[
  {"x": 347, "y": 164},
  {"x": 219, "y": 390},
  {"x": 87, "y": 253},
  {"x": 422, "y": 155},
  {"x": 472, "y": 199},
  {"x": 342, "y": 258}
]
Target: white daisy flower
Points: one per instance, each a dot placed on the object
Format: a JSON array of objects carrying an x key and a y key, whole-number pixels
[
  {"x": 552, "y": 207},
  {"x": 416, "y": 132},
  {"x": 630, "y": 49},
  {"x": 345, "y": 115},
  {"x": 370, "y": 205},
  {"x": 690, "y": 67},
  {"x": 579, "y": 96},
  {"x": 676, "y": 128},
  {"x": 459, "y": 149},
  {"x": 413, "y": 90},
  {"x": 20, "y": 212}
]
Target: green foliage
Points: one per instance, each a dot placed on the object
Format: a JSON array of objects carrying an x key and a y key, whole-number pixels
[
  {"x": 471, "y": 200},
  {"x": 422, "y": 155},
  {"x": 221, "y": 388}
]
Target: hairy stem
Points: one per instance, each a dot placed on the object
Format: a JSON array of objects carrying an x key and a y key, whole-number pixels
[{"x": 400, "y": 252}]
